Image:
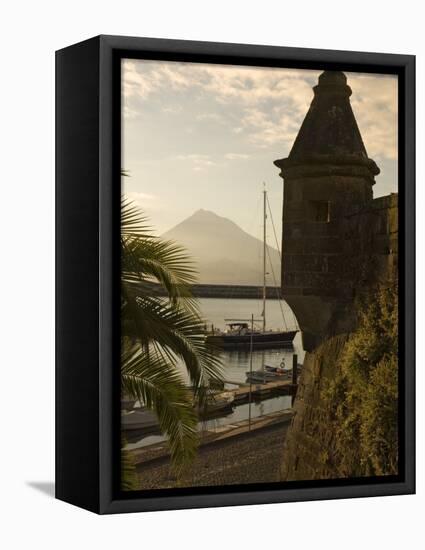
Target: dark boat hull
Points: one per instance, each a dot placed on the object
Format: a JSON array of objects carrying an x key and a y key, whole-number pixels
[{"x": 267, "y": 340}]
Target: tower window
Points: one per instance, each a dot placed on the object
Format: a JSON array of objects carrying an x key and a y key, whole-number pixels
[{"x": 319, "y": 211}]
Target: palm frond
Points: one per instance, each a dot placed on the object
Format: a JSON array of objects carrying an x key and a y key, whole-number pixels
[
  {"x": 161, "y": 262},
  {"x": 158, "y": 385},
  {"x": 178, "y": 331},
  {"x": 160, "y": 333},
  {"x": 160, "y": 259},
  {"x": 133, "y": 222}
]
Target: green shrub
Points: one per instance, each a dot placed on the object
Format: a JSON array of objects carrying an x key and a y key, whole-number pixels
[{"x": 362, "y": 400}]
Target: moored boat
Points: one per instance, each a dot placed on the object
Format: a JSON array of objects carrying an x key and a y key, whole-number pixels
[
  {"x": 270, "y": 374},
  {"x": 280, "y": 370},
  {"x": 219, "y": 400},
  {"x": 139, "y": 419},
  {"x": 266, "y": 376},
  {"x": 240, "y": 336},
  {"x": 127, "y": 403}
]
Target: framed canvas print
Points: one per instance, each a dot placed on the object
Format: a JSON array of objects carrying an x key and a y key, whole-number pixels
[{"x": 235, "y": 274}]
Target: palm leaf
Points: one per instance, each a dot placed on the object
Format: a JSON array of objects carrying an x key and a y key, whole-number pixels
[
  {"x": 161, "y": 262},
  {"x": 178, "y": 331},
  {"x": 133, "y": 223},
  {"x": 158, "y": 385},
  {"x": 163, "y": 332}
]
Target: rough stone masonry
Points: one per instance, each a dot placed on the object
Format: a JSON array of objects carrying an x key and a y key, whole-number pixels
[{"x": 337, "y": 244}]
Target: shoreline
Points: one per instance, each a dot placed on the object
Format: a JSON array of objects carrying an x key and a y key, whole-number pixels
[
  {"x": 249, "y": 457},
  {"x": 159, "y": 452}
]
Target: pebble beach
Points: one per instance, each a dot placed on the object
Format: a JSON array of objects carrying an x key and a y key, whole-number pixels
[{"x": 248, "y": 458}]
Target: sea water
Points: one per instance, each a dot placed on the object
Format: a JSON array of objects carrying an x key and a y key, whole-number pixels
[{"x": 237, "y": 363}]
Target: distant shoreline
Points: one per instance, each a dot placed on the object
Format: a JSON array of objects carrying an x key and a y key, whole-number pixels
[{"x": 228, "y": 292}]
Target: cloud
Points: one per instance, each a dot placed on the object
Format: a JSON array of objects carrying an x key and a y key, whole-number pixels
[
  {"x": 263, "y": 94},
  {"x": 197, "y": 161},
  {"x": 173, "y": 110},
  {"x": 226, "y": 82},
  {"x": 210, "y": 116},
  {"x": 265, "y": 106},
  {"x": 236, "y": 156},
  {"x": 375, "y": 105},
  {"x": 144, "y": 200},
  {"x": 265, "y": 128}
]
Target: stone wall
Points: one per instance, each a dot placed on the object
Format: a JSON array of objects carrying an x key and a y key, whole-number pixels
[
  {"x": 338, "y": 245},
  {"x": 368, "y": 256},
  {"x": 310, "y": 438},
  {"x": 369, "y": 244},
  {"x": 326, "y": 265}
]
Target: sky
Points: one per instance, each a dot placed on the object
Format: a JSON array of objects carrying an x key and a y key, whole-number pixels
[{"x": 205, "y": 136}]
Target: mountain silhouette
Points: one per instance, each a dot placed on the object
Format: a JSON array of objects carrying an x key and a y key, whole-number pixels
[{"x": 223, "y": 252}]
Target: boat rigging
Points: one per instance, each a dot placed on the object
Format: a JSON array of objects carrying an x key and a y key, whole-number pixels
[{"x": 239, "y": 335}]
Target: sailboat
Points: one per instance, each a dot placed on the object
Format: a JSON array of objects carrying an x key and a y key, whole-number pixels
[{"x": 239, "y": 334}]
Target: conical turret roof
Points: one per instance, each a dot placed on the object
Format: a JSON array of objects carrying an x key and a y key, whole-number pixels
[{"x": 329, "y": 133}]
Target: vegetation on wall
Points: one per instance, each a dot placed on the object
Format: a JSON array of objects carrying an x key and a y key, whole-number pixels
[{"x": 362, "y": 399}]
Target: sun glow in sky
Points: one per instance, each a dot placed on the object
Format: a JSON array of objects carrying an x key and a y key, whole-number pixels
[{"x": 205, "y": 136}]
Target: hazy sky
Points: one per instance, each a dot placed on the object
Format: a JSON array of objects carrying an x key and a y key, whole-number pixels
[{"x": 205, "y": 136}]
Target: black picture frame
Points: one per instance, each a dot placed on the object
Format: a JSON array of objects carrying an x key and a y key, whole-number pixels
[{"x": 87, "y": 271}]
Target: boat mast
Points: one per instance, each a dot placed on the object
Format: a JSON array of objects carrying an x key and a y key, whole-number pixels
[{"x": 264, "y": 255}]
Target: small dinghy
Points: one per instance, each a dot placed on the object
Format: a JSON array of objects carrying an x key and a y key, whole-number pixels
[
  {"x": 127, "y": 403},
  {"x": 262, "y": 376},
  {"x": 139, "y": 419},
  {"x": 218, "y": 401},
  {"x": 282, "y": 371}
]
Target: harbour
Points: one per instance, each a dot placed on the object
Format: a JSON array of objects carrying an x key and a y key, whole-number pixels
[
  {"x": 258, "y": 343},
  {"x": 273, "y": 397},
  {"x": 210, "y": 302}
]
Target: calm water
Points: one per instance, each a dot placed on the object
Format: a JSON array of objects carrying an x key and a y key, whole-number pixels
[
  {"x": 137, "y": 440},
  {"x": 215, "y": 310},
  {"x": 237, "y": 363}
]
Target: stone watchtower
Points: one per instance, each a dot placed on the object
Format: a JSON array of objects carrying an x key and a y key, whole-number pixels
[{"x": 328, "y": 176}]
